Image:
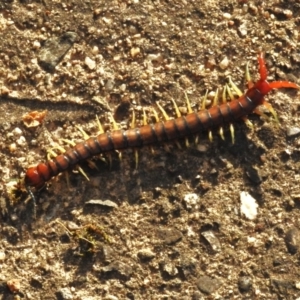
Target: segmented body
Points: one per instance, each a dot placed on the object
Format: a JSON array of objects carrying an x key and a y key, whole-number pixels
[{"x": 159, "y": 132}]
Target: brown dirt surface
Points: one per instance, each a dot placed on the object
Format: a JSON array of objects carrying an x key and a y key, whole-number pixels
[{"x": 173, "y": 227}]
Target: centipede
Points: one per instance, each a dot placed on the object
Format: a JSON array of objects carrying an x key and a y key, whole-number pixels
[{"x": 162, "y": 131}]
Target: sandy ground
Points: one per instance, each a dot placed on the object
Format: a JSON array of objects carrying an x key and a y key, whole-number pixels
[{"x": 173, "y": 228}]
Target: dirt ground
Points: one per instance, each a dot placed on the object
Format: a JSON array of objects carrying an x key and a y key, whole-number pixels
[{"x": 173, "y": 227}]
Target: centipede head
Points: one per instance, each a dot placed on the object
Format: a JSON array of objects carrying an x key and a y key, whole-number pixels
[{"x": 263, "y": 85}]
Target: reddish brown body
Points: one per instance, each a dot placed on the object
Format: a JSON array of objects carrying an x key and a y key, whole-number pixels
[{"x": 159, "y": 132}]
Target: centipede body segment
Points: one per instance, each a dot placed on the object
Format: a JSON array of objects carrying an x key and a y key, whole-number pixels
[{"x": 169, "y": 130}]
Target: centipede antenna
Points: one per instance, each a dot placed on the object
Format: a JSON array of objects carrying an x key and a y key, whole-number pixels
[
  {"x": 164, "y": 113},
  {"x": 33, "y": 200},
  {"x": 234, "y": 87}
]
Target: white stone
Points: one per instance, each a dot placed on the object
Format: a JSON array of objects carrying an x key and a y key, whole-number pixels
[{"x": 248, "y": 206}]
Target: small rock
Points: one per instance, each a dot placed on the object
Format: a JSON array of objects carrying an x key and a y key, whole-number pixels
[
  {"x": 108, "y": 254},
  {"x": 106, "y": 203},
  {"x": 2, "y": 256},
  {"x": 227, "y": 16},
  {"x": 14, "y": 285},
  {"x": 120, "y": 268},
  {"x": 54, "y": 49},
  {"x": 191, "y": 200},
  {"x": 65, "y": 294},
  {"x": 224, "y": 63},
  {"x": 202, "y": 148},
  {"x": 244, "y": 284},
  {"x": 90, "y": 63},
  {"x": 146, "y": 254},
  {"x": 208, "y": 285},
  {"x": 243, "y": 29},
  {"x": 212, "y": 240},
  {"x": 292, "y": 240},
  {"x": 169, "y": 236},
  {"x": 292, "y": 131},
  {"x": 170, "y": 269},
  {"x": 135, "y": 51},
  {"x": 254, "y": 175},
  {"x": 248, "y": 206}
]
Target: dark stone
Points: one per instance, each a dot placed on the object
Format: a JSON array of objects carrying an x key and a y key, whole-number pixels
[
  {"x": 292, "y": 240},
  {"x": 119, "y": 268},
  {"x": 54, "y": 49},
  {"x": 169, "y": 236},
  {"x": 244, "y": 284},
  {"x": 254, "y": 175}
]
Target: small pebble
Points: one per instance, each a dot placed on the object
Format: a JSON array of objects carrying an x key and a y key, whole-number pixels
[
  {"x": 170, "y": 269},
  {"x": 292, "y": 131},
  {"x": 243, "y": 29},
  {"x": 135, "y": 51},
  {"x": 207, "y": 284},
  {"x": 224, "y": 63},
  {"x": 244, "y": 284},
  {"x": 248, "y": 206},
  {"x": 17, "y": 131},
  {"x": 191, "y": 200},
  {"x": 227, "y": 16},
  {"x": 14, "y": 285},
  {"x": 212, "y": 240},
  {"x": 21, "y": 141},
  {"x": 2, "y": 256},
  {"x": 65, "y": 294},
  {"x": 90, "y": 63},
  {"x": 169, "y": 236},
  {"x": 146, "y": 253},
  {"x": 36, "y": 45},
  {"x": 292, "y": 240}
]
